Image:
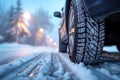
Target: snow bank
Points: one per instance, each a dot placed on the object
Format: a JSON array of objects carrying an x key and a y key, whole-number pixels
[{"x": 7, "y": 68}]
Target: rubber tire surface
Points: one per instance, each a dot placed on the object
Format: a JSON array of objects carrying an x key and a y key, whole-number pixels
[{"x": 89, "y": 39}]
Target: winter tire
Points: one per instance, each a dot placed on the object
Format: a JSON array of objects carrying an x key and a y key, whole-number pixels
[{"x": 86, "y": 36}]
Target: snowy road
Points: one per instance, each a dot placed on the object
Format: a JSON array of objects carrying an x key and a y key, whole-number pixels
[
  {"x": 44, "y": 66},
  {"x": 56, "y": 66},
  {"x": 48, "y": 64}
]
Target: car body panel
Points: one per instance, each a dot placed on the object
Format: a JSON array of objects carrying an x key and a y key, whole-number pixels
[{"x": 99, "y": 8}]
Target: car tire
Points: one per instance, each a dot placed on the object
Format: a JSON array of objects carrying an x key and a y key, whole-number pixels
[
  {"x": 86, "y": 37},
  {"x": 62, "y": 47}
]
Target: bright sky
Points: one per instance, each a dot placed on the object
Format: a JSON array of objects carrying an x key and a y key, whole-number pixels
[{"x": 48, "y": 5}]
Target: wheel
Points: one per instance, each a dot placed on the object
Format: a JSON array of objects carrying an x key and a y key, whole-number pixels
[
  {"x": 62, "y": 47},
  {"x": 86, "y": 37}
]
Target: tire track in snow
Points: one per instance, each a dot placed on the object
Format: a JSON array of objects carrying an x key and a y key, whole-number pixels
[
  {"x": 66, "y": 66},
  {"x": 35, "y": 71},
  {"x": 54, "y": 66},
  {"x": 53, "y": 69},
  {"x": 46, "y": 66},
  {"x": 8, "y": 60},
  {"x": 25, "y": 68}
]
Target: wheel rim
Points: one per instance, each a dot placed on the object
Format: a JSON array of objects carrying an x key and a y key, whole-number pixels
[{"x": 71, "y": 30}]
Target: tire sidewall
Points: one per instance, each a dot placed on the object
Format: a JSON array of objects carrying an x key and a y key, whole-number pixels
[{"x": 74, "y": 52}]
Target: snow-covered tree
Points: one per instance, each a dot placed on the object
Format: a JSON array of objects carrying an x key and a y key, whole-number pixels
[
  {"x": 10, "y": 31},
  {"x": 17, "y": 24},
  {"x": 21, "y": 24}
]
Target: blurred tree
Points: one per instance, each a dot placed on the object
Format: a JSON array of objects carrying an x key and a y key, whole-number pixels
[
  {"x": 3, "y": 19},
  {"x": 10, "y": 32},
  {"x": 21, "y": 24},
  {"x": 17, "y": 19},
  {"x": 40, "y": 19},
  {"x": 17, "y": 25}
]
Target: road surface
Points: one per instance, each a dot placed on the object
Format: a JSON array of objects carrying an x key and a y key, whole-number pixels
[{"x": 48, "y": 64}]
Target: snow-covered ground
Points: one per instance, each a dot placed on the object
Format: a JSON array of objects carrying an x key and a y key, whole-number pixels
[
  {"x": 112, "y": 48},
  {"x": 11, "y": 51},
  {"x": 45, "y": 63}
]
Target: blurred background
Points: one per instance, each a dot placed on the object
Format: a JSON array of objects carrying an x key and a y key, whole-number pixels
[{"x": 30, "y": 22}]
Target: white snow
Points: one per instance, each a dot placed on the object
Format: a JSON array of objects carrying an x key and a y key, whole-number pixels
[
  {"x": 7, "y": 68},
  {"x": 11, "y": 46},
  {"x": 52, "y": 70},
  {"x": 8, "y": 50},
  {"x": 50, "y": 66},
  {"x": 112, "y": 48},
  {"x": 79, "y": 70},
  {"x": 106, "y": 72}
]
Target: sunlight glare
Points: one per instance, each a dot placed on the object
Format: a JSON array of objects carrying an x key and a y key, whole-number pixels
[{"x": 27, "y": 16}]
